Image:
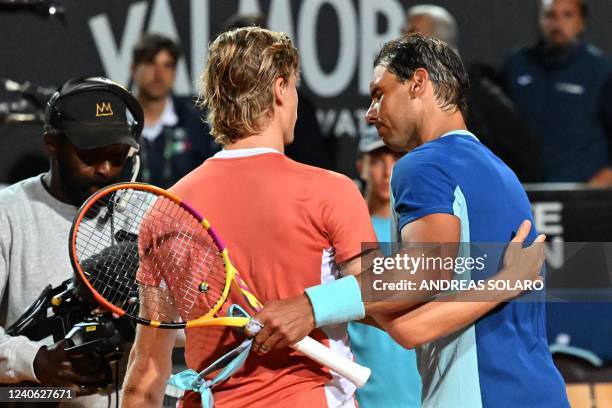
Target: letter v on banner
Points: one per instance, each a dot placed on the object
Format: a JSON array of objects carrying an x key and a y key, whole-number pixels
[
  {"x": 200, "y": 35},
  {"x": 161, "y": 20},
  {"x": 117, "y": 56}
]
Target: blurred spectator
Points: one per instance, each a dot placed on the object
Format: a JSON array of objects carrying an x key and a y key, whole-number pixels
[
  {"x": 309, "y": 145},
  {"x": 175, "y": 138},
  {"x": 432, "y": 20},
  {"x": 395, "y": 380},
  {"x": 491, "y": 114},
  {"x": 558, "y": 85}
]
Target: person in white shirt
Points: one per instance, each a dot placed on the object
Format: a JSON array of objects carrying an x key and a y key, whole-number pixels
[{"x": 91, "y": 128}]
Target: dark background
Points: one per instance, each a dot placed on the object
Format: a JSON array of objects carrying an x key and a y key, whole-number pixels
[{"x": 48, "y": 51}]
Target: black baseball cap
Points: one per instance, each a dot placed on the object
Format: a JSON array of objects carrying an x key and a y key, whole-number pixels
[{"x": 91, "y": 116}]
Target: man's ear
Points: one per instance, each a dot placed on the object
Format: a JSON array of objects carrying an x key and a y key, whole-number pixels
[
  {"x": 419, "y": 81},
  {"x": 52, "y": 143},
  {"x": 280, "y": 90}
]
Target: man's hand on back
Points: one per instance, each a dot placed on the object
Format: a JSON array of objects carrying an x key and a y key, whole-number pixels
[
  {"x": 523, "y": 264},
  {"x": 285, "y": 322}
]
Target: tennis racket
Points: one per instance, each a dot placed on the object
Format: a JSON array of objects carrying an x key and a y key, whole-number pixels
[{"x": 144, "y": 253}]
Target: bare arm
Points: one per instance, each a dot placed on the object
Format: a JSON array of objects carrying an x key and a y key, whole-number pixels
[
  {"x": 149, "y": 366},
  {"x": 433, "y": 320},
  {"x": 287, "y": 321},
  {"x": 434, "y": 228},
  {"x": 439, "y": 318}
]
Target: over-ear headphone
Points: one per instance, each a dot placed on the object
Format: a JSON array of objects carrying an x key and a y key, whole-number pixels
[{"x": 79, "y": 85}]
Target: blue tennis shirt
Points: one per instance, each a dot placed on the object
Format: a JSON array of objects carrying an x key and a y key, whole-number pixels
[{"x": 502, "y": 360}]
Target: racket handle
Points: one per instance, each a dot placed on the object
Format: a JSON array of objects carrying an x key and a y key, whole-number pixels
[{"x": 352, "y": 371}]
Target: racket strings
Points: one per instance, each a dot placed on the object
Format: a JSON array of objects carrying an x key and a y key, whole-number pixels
[
  {"x": 148, "y": 256},
  {"x": 189, "y": 258}
]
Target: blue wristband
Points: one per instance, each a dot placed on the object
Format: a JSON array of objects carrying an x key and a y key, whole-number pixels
[{"x": 336, "y": 302}]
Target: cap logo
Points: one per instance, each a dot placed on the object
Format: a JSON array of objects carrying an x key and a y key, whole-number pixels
[{"x": 104, "y": 109}]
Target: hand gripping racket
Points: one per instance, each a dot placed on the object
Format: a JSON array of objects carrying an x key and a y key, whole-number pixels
[{"x": 144, "y": 253}]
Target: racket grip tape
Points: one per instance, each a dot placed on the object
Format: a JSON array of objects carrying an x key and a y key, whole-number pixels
[{"x": 323, "y": 355}]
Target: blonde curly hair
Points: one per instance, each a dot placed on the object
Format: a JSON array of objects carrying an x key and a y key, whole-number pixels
[{"x": 238, "y": 80}]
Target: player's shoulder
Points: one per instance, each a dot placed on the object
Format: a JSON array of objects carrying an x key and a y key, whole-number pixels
[
  {"x": 435, "y": 153},
  {"x": 323, "y": 176},
  {"x": 438, "y": 161},
  {"x": 322, "y": 184},
  {"x": 330, "y": 181},
  {"x": 192, "y": 180}
]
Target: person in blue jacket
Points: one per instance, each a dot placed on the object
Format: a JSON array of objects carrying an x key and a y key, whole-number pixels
[{"x": 562, "y": 86}]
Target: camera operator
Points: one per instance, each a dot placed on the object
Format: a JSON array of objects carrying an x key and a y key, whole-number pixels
[{"x": 91, "y": 129}]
